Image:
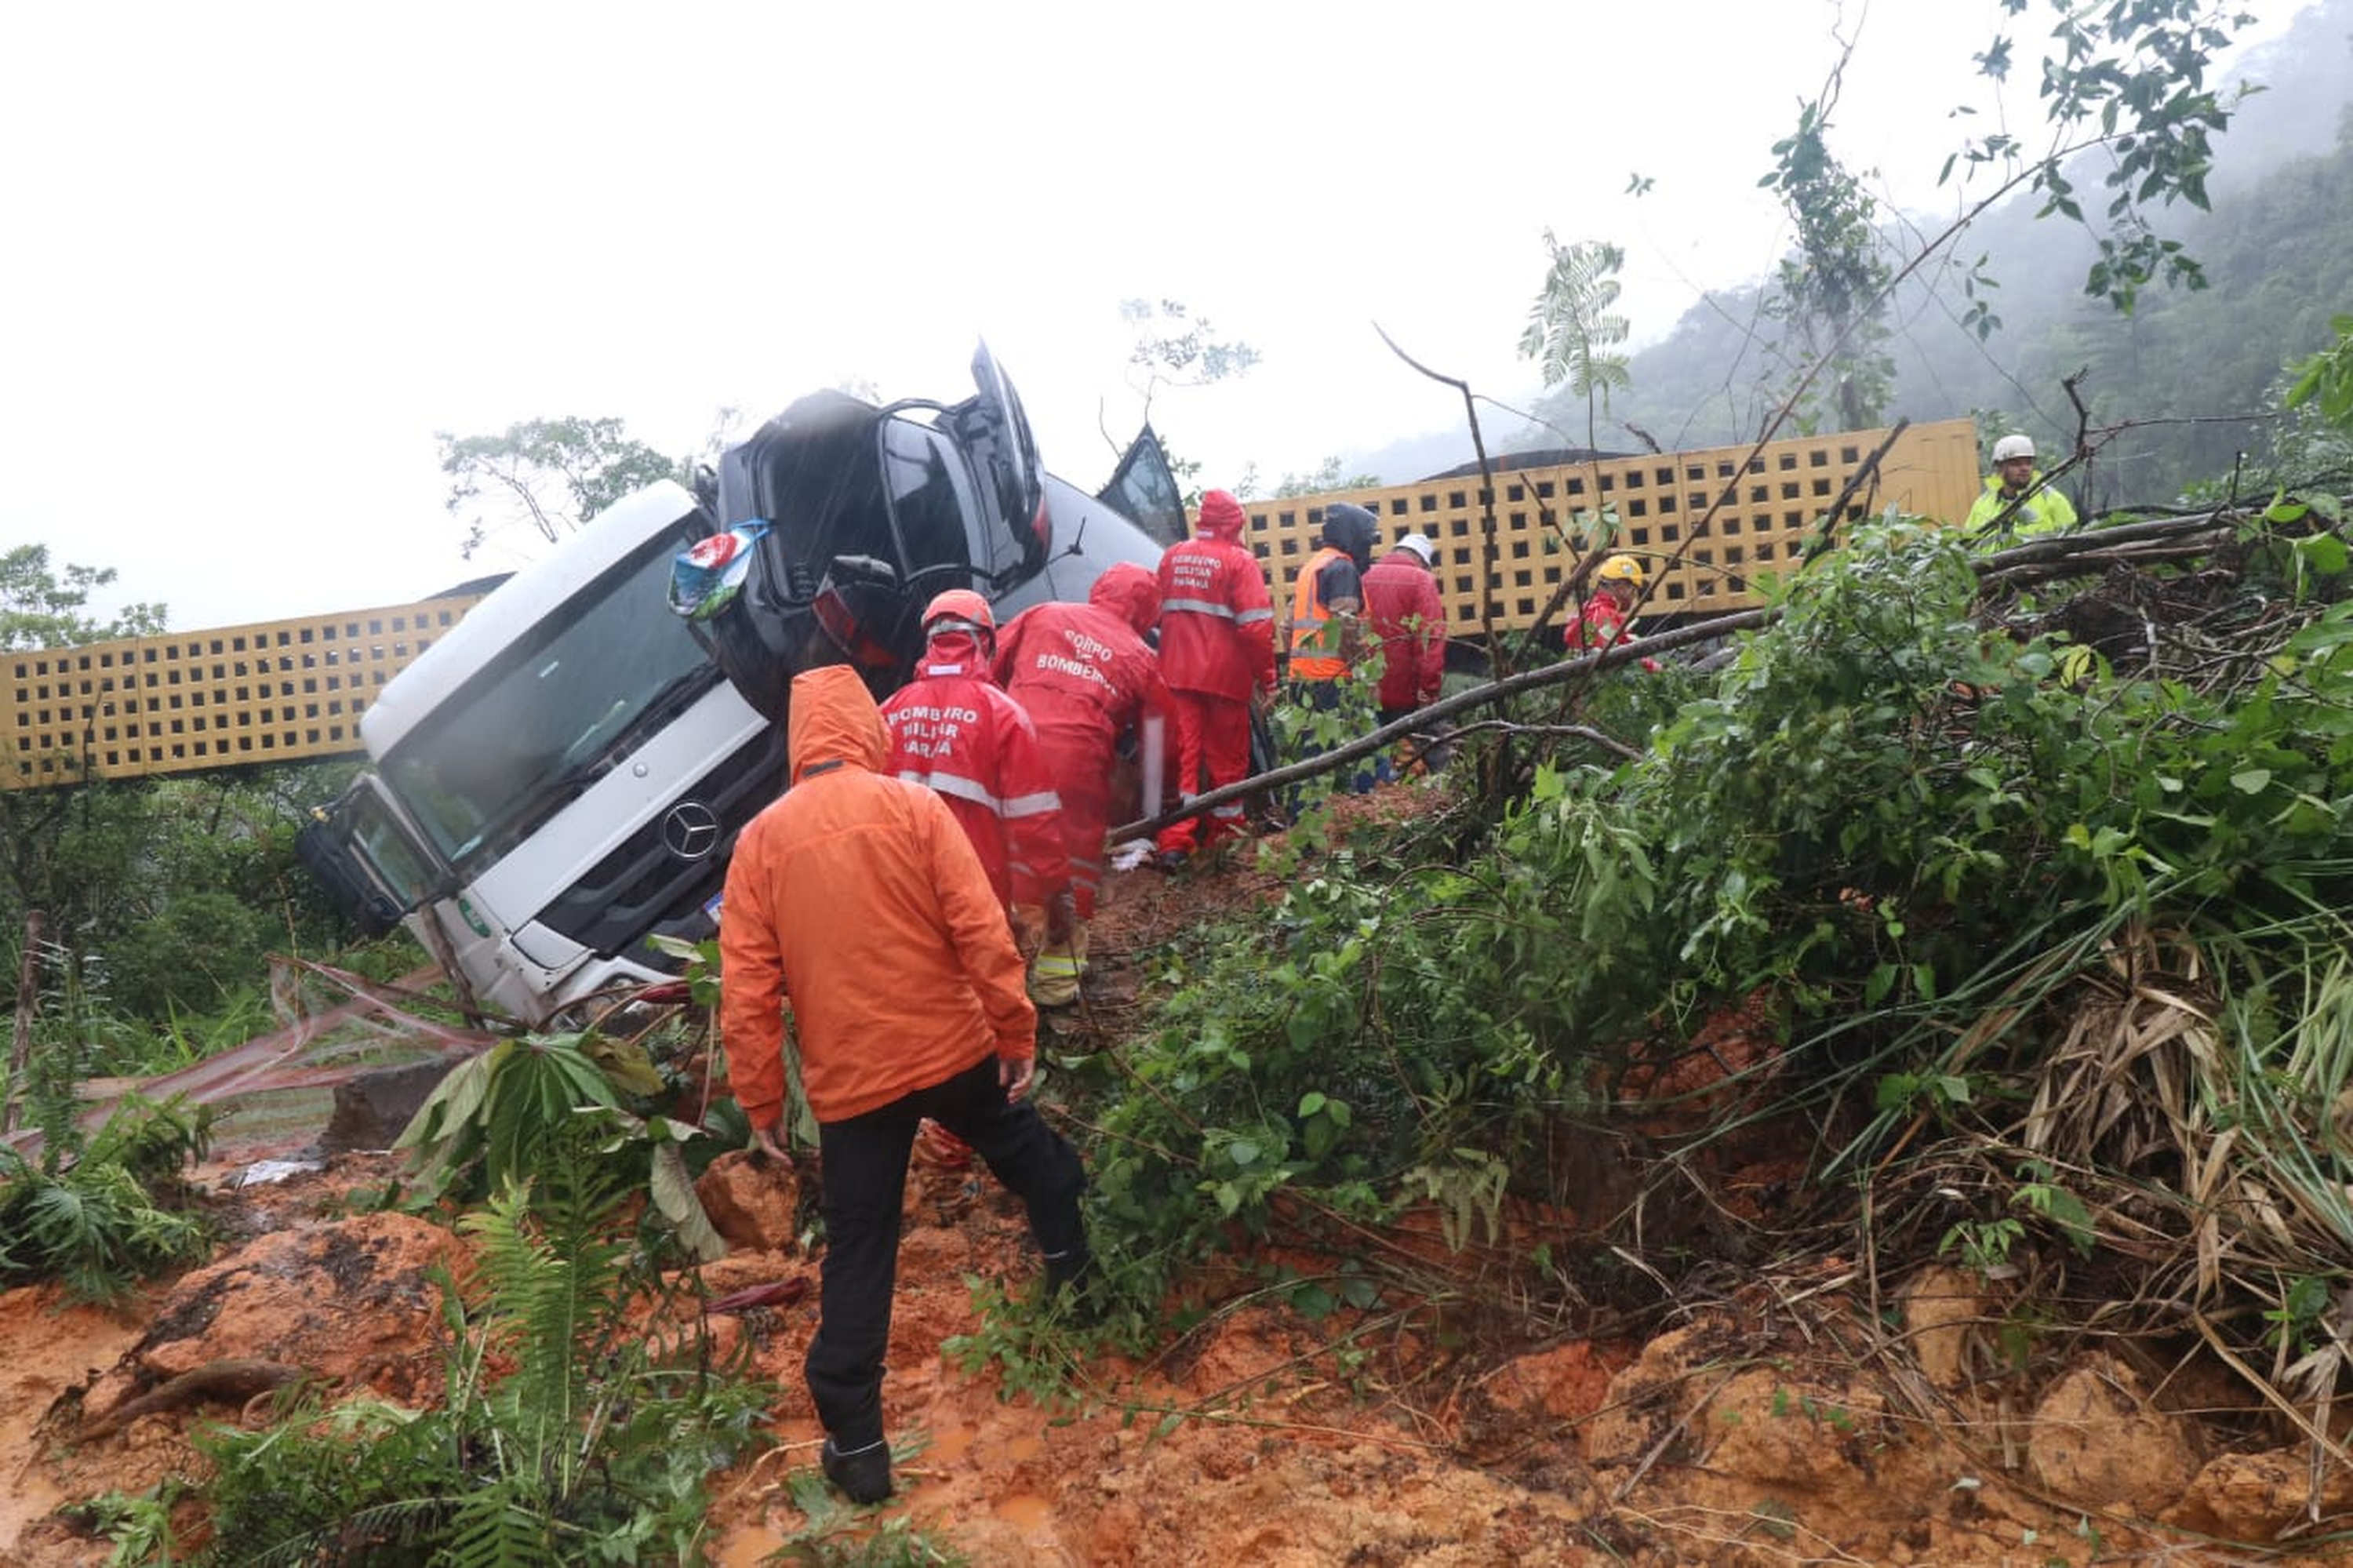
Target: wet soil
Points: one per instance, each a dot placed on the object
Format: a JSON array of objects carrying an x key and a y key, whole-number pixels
[{"x": 1815, "y": 1413}]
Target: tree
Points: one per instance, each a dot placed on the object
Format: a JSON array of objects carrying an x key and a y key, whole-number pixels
[
  {"x": 555, "y": 474},
  {"x": 1327, "y": 477},
  {"x": 39, "y": 608},
  {"x": 1172, "y": 347},
  {"x": 1572, "y": 333},
  {"x": 1832, "y": 295}
]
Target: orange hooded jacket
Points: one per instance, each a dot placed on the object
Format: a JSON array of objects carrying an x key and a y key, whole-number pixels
[{"x": 858, "y": 897}]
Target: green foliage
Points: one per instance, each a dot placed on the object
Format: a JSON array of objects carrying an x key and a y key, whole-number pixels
[
  {"x": 590, "y": 1449},
  {"x": 491, "y": 1122},
  {"x": 2325, "y": 380},
  {"x": 555, "y": 474},
  {"x": 139, "y": 1525},
  {"x": 44, "y": 607},
  {"x": 1869, "y": 807},
  {"x": 1571, "y": 329},
  {"x": 100, "y": 1214},
  {"x": 1832, "y": 294}
]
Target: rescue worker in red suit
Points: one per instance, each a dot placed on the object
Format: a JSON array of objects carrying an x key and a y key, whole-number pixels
[
  {"x": 954, "y": 731},
  {"x": 1401, "y": 600},
  {"x": 1086, "y": 677},
  {"x": 858, "y": 899},
  {"x": 1217, "y": 655},
  {"x": 1617, "y": 585}
]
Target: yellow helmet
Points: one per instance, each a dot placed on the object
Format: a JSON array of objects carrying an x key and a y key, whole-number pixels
[{"x": 1620, "y": 568}]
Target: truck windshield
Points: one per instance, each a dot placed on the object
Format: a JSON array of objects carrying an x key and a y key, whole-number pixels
[{"x": 552, "y": 713}]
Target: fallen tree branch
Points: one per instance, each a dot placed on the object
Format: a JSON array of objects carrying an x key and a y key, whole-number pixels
[
  {"x": 1491, "y": 554},
  {"x": 2051, "y": 556},
  {"x": 232, "y": 1382}
]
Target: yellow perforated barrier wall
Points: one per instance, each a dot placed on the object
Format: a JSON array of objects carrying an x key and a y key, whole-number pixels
[
  {"x": 1769, "y": 504},
  {"x": 277, "y": 691}
]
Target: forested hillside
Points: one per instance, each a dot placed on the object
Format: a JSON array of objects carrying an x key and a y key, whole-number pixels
[{"x": 2195, "y": 371}]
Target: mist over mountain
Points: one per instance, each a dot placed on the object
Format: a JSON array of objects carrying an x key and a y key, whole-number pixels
[{"x": 2277, "y": 249}]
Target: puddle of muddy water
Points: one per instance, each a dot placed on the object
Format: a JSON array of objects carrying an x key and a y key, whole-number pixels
[{"x": 1026, "y": 1512}]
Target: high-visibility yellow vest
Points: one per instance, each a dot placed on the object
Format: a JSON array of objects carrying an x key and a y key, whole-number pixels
[{"x": 1314, "y": 641}]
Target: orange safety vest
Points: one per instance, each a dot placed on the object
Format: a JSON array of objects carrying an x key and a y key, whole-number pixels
[{"x": 1311, "y": 625}]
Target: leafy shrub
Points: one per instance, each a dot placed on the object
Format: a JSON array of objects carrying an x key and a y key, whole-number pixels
[
  {"x": 102, "y": 1214},
  {"x": 1872, "y": 805},
  {"x": 559, "y": 1437},
  {"x": 490, "y": 1123}
]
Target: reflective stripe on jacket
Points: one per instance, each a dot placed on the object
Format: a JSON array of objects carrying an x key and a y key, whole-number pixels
[
  {"x": 1084, "y": 677},
  {"x": 954, "y": 732},
  {"x": 1217, "y": 621},
  {"x": 1314, "y": 641},
  {"x": 2045, "y": 512},
  {"x": 859, "y": 899}
]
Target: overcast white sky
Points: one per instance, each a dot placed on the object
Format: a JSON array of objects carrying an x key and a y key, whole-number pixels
[{"x": 257, "y": 256}]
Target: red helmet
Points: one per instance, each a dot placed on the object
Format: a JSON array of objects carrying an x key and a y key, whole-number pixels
[{"x": 960, "y": 604}]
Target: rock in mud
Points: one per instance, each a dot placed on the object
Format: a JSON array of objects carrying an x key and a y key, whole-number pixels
[
  {"x": 352, "y": 1302},
  {"x": 2098, "y": 1443},
  {"x": 373, "y": 1109},
  {"x": 2254, "y": 1497},
  {"x": 751, "y": 1199},
  {"x": 1940, "y": 1307}
]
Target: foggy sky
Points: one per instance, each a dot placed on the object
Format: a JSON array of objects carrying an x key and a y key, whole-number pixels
[{"x": 258, "y": 255}]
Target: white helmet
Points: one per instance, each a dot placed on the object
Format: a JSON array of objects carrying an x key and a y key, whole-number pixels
[
  {"x": 2010, "y": 447},
  {"x": 1421, "y": 545}
]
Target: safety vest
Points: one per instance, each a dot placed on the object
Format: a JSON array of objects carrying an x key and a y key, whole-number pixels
[{"x": 1311, "y": 625}]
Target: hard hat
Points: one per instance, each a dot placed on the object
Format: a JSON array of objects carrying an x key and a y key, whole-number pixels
[
  {"x": 1421, "y": 545},
  {"x": 964, "y": 605},
  {"x": 2010, "y": 447},
  {"x": 1619, "y": 568}
]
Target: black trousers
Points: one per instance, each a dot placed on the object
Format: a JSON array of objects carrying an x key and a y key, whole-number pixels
[{"x": 865, "y": 1181}]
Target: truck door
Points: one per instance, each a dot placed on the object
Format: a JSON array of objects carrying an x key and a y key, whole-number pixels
[
  {"x": 1143, "y": 490},
  {"x": 996, "y": 431}
]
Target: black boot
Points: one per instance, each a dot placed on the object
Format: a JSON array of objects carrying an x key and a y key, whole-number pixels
[
  {"x": 863, "y": 1474},
  {"x": 1070, "y": 1288}
]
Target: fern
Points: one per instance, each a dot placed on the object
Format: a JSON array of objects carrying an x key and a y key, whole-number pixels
[
  {"x": 584, "y": 1451},
  {"x": 104, "y": 1218}
]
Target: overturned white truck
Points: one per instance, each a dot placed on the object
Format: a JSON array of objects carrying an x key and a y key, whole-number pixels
[{"x": 562, "y": 777}]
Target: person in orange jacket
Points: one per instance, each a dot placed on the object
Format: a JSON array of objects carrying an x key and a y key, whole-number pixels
[
  {"x": 859, "y": 898},
  {"x": 1216, "y": 653},
  {"x": 1086, "y": 677},
  {"x": 955, "y": 731}
]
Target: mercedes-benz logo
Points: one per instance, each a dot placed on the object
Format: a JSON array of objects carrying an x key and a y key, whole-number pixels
[{"x": 691, "y": 830}]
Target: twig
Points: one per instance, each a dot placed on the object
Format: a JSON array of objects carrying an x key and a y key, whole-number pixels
[
  {"x": 1491, "y": 554},
  {"x": 1826, "y": 525}
]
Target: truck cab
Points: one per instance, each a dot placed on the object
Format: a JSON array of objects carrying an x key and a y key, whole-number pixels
[{"x": 560, "y": 779}]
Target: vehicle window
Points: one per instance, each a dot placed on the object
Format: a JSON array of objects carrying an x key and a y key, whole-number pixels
[
  {"x": 389, "y": 852},
  {"x": 529, "y": 731},
  {"x": 1146, "y": 492},
  {"x": 932, "y": 502}
]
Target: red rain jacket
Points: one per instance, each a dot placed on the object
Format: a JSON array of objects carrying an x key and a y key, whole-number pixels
[
  {"x": 1084, "y": 675},
  {"x": 1401, "y": 598},
  {"x": 955, "y": 733},
  {"x": 1216, "y": 621},
  {"x": 860, "y": 899}
]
